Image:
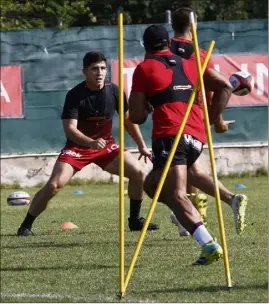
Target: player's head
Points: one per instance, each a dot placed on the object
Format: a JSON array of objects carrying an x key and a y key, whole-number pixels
[
  {"x": 181, "y": 20},
  {"x": 94, "y": 69},
  {"x": 156, "y": 38}
]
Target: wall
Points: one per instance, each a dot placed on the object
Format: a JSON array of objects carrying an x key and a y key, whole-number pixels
[
  {"x": 32, "y": 170},
  {"x": 51, "y": 64}
]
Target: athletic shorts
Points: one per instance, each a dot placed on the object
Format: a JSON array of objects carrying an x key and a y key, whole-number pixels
[
  {"x": 80, "y": 157},
  {"x": 187, "y": 152}
]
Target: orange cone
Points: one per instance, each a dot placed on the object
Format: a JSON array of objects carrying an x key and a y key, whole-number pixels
[{"x": 68, "y": 225}]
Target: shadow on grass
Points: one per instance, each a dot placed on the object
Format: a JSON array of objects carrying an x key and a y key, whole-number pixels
[
  {"x": 68, "y": 267},
  {"x": 210, "y": 289}
]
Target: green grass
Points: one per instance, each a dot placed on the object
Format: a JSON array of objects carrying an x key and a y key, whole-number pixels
[{"x": 82, "y": 265}]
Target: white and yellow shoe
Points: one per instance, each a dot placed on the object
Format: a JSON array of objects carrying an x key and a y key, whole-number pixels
[
  {"x": 200, "y": 203},
  {"x": 239, "y": 205}
]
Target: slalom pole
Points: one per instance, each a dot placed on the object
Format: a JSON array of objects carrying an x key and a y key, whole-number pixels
[
  {"x": 211, "y": 152},
  {"x": 121, "y": 151},
  {"x": 165, "y": 171}
]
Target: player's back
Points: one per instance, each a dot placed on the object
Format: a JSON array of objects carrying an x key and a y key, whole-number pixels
[
  {"x": 184, "y": 48},
  {"x": 168, "y": 87}
]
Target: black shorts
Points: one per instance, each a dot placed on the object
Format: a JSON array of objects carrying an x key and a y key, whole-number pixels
[{"x": 187, "y": 152}]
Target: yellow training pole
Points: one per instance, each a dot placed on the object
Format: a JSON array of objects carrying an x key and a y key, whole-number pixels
[
  {"x": 121, "y": 155},
  {"x": 165, "y": 171},
  {"x": 211, "y": 152}
]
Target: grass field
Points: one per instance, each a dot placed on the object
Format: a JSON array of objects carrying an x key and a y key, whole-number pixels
[{"x": 82, "y": 265}]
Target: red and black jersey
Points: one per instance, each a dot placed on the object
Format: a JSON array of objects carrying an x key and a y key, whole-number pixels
[
  {"x": 168, "y": 80},
  {"x": 184, "y": 48},
  {"x": 94, "y": 110}
]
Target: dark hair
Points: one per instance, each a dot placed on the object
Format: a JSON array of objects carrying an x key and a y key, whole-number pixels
[
  {"x": 181, "y": 20},
  {"x": 155, "y": 38},
  {"x": 93, "y": 57}
]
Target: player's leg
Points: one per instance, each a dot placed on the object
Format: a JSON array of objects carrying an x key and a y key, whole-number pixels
[
  {"x": 61, "y": 174},
  {"x": 133, "y": 170},
  {"x": 174, "y": 195},
  {"x": 199, "y": 200},
  {"x": 238, "y": 202}
]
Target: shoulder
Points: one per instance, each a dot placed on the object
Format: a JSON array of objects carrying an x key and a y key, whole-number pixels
[
  {"x": 112, "y": 87},
  {"x": 78, "y": 88},
  {"x": 202, "y": 52}
]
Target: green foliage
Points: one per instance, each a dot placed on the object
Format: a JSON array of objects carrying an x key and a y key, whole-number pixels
[
  {"x": 41, "y": 14},
  {"x": 25, "y": 14}
]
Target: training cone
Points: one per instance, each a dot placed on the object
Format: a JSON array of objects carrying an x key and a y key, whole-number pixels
[{"x": 68, "y": 225}]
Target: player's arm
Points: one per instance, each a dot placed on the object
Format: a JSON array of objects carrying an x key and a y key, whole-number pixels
[
  {"x": 222, "y": 90},
  {"x": 138, "y": 104},
  {"x": 72, "y": 133},
  {"x": 220, "y": 125},
  {"x": 138, "y": 107},
  {"x": 134, "y": 131}
]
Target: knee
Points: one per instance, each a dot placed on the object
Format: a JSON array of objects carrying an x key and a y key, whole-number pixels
[
  {"x": 139, "y": 174},
  {"x": 53, "y": 187}
]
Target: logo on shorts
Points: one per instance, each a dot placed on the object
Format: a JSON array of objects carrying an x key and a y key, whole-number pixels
[
  {"x": 164, "y": 153},
  {"x": 182, "y": 87},
  {"x": 71, "y": 153},
  {"x": 196, "y": 144}
]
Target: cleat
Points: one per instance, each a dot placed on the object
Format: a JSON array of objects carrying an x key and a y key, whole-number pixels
[
  {"x": 22, "y": 231},
  {"x": 182, "y": 231},
  {"x": 200, "y": 203},
  {"x": 239, "y": 205},
  {"x": 211, "y": 252},
  {"x": 138, "y": 223}
]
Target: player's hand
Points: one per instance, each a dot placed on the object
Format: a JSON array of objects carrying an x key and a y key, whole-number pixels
[
  {"x": 223, "y": 126},
  {"x": 144, "y": 151},
  {"x": 98, "y": 144}
]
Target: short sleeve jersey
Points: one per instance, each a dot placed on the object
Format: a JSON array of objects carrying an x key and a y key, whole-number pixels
[
  {"x": 94, "y": 110},
  {"x": 151, "y": 77},
  {"x": 184, "y": 48}
]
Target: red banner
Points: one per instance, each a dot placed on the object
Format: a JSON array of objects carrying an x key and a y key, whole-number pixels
[
  {"x": 11, "y": 91},
  {"x": 256, "y": 65}
]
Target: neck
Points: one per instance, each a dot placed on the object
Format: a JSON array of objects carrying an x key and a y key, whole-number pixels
[
  {"x": 94, "y": 87},
  {"x": 187, "y": 36}
]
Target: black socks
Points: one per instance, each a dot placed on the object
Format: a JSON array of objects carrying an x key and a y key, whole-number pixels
[
  {"x": 135, "y": 206},
  {"x": 28, "y": 221}
]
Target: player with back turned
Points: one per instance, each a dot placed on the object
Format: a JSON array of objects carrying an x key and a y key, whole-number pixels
[{"x": 165, "y": 81}]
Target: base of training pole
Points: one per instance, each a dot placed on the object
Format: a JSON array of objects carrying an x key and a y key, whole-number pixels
[{"x": 121, "y": 295}]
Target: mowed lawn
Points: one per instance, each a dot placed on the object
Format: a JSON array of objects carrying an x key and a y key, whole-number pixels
[{"x": 82, "y": 265}]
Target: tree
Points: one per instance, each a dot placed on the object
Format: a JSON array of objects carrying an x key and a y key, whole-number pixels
[
  {"x": 26, "y": 14},
  {"x": 39, "y": 13}
]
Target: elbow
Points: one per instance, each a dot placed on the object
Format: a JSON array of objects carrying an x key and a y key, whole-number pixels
[{"x": 137, "y": 120}]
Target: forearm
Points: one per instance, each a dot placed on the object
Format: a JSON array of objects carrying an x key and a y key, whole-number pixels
[
  {"x": 78, "y": 137},
  {"x": 219, "y": 102},
  {"x": 219, "y": 120},
  {"x": 134, "y": 131}
]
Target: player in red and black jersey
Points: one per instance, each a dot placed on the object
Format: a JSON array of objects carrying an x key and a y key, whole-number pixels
[
  {"x": 87, "y": 121},
  {"x": 181, "y": 44},
  {"x": 164, "y": 82}
]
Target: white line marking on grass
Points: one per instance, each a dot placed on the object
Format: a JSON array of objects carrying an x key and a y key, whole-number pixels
[
  {"x": 42, "y": 295},
  {"x": 67, "y": 296}
]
